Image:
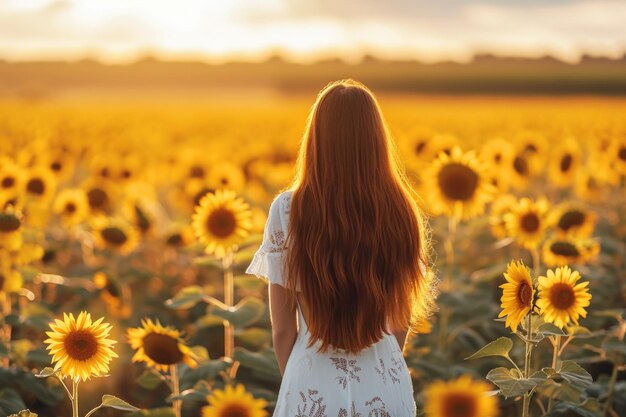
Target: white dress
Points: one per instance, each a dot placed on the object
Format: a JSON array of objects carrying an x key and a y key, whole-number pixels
[{"x": 373, "y": 383}]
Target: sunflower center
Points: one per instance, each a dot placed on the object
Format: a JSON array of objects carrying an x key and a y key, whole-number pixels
[
  {"x": 571, "y": 219},
  {"x": 458, "y": 182},
  {"x": 520, "y": 165},
  {"x": 162, "y": 349},
  {"x": 8, "y": 182},
  {"x": 419, "y": 148},
  {"x": 175, "y": 240},
  {"x": 524, "y": 293},
  {"x": 97, "y": 198},
  {"x": 70, "y": 208},
  {"x": 196, "y": 172},
  {"x": 460, "y": 405},
  {"x": 497, "y": 158},
  {"x": 566, "y": 163},
  {"x": 564, "y": 249},
  {"x": 80, "y": 345},
  {"x": 234, "y": 410},
  {"x": 114, "y": 236},
  {"x": 9, "y": 223},
  {"x": 621, "y": 154},
  {"x": 36, "y": 186},
  {"x": 221, "y": 222},
  {"x": 56, "y": 166},
  {"x": 562, "y": 296},
  {"x": 530, "y": 222}
]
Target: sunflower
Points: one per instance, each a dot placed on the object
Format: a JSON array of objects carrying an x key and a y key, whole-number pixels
[
  {"x": 221, "y": 221},
  {"x": 115, "y": 234},
  {"x": 497, "y": 153},
  {"x": 561, "y": 299},
  {"x": 100, "y": 196},
  {"x": 461, "y": 397},
  {"x": 62, "y": 166},
  {"x": 531, "y": 143},
  {"x": 500, "y": 206},
  {"x": 456, "y": 185},
  {"x": 10, "y": 229},
  {"x": 517, "y": 294},
  {"x": 102, "y": 167},
  {"x": 79, "y": 347},
  {"x": 71, "y": 205},
  {"x": 159, "y": 346},
  {"x": 521, "y": 170},
  {"x": 564, "y": 163},
  {"x": 179, "y": 236},
  {"x": 234, "y": 402},
  {"x": 589, "y": 187},
  {"x": 527, "y": 161},
  {"x": 565, "y": 250},
  {"x": 39, "y": 184},
  {"x": 226, "y": 175},
  {"x": 11, "y": 179},
  {"x": 527, "y": 222},
  {"x": 418, "y": 145},
  {"x": 571, "y": 220}
]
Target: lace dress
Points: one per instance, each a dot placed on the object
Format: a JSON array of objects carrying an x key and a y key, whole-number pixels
[{"x": 373, "y": 383}]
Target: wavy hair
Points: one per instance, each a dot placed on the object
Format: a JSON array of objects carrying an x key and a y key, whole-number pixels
[{"x": 358, "y": 245}]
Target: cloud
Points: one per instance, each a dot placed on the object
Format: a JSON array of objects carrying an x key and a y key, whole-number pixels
[{"x": 447, "y": 29}]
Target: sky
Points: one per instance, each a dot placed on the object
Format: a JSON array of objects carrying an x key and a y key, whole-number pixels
[{"x": 306, "y": 30}]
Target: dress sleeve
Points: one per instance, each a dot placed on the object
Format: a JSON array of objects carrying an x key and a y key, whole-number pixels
[{"x": 268, "y": 261}]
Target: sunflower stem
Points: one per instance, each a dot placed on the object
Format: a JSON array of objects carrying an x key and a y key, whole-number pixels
[
  {"x": 527, "y": 357},
  {"x": 74, "y": 398},
  {"x": 69, "y": 394},
  {"x": 229, "y": 300},
  {"x": 93, "y": 411},
  {"x": 536, "y": 260},
  {"x": 447, "y": 279},
  {"x": 556, "y": 342},
  {"x": 176, "y": 404}
]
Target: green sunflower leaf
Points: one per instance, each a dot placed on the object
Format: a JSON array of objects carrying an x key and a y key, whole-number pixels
[
  {"x": 246, "y": 312},
  {"x": 46, "y": 372},
  {"x": 186, "y": 298},
  {"x": 549, "y": 329},
  {"x": 24, "y": 413},
  {"x": 510, "y": 382},
  {"x": 499, "y": 347},
  {"x": 112, "y": 401}
]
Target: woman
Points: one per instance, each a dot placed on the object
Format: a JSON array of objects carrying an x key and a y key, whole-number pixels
[{"x": 346, "y": 255}]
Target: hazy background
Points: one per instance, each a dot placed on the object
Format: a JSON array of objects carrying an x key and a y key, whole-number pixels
[{"x": 49, "y": 47}]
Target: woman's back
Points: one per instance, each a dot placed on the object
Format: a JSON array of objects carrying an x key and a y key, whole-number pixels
[{"x": 336, "y": 383}]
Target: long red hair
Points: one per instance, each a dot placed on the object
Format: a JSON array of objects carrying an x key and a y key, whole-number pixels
[{"x": 357, "y": 243}]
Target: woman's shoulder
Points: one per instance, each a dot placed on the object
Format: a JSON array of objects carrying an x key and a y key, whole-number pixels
[{"x": 282, "y": 202}]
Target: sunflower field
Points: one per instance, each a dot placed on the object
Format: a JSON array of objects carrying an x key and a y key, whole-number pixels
[{"x": 126, "y": 228}]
